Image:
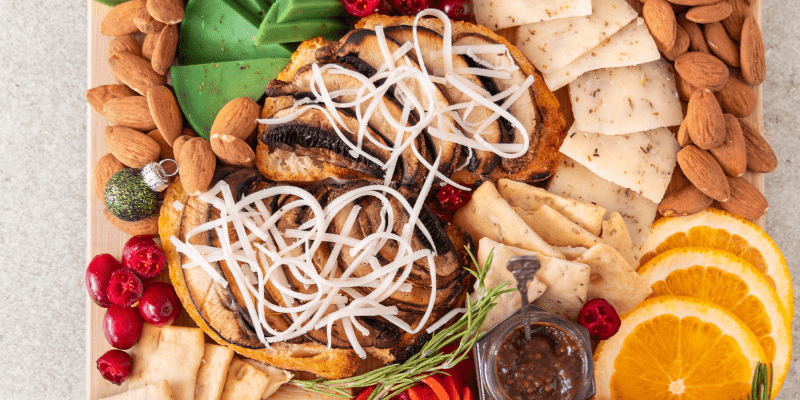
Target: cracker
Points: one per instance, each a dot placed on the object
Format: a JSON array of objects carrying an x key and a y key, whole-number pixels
[
  {"x": 613, "y": 279},
  {"x": 556, "y": 229},
  {"x": 615, "y": 234},
  {"x": 571, "y": 252},
  {"x": 173, "y": 353},
  {"x": 244, "y": 382},
  {"x": 277, "y": 376},
  {"x": 212, "y": 373},
  {"x": 157, "y": 391}
]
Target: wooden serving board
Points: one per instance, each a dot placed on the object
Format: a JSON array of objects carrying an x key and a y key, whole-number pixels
[{"x": 104, "y": 238}]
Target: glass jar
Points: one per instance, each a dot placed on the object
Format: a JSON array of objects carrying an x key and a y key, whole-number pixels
[{"x": 547, "y": 327}]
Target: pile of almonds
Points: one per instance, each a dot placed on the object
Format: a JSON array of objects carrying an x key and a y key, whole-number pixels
[{"x": 718, "y": 52}]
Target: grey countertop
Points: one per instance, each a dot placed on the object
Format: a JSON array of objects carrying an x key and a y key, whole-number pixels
[{"x": 43, "y": 150}]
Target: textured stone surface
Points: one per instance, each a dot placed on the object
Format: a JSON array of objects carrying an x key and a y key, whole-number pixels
[{"x": 43, "y": 186}]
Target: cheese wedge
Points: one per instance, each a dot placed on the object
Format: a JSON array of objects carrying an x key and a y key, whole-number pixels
[
  {"x": 632, "y": 45},
  {"x": 616, "y": 101},
  {"x": 507, "y": 13},
  {"x": 551, "y": 45},
  {"x": 642, "y": 161}
]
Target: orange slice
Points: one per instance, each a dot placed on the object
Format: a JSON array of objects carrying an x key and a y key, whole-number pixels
[
  {"x": 673, "y": 347},
  {"x": 731, "y": 283},
  {"x": 717, "y": 229}
]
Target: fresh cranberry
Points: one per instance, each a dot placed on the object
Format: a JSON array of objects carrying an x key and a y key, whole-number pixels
[
  {"x": 98, "y": 274},
  {"x": 385, "y": 7},
  {"x": 600, "y": 318},
  {"x": 410, "y": 7},
  {"x": 457, "y": 10},
  {"x": 360, "y": 8},
  {"x": 115, "y": 366},
  {"x": 159, "y": 305},
  {"x": 452, "y": 198},
  {"x": 122, "y": 326},
  {"x": 144, "y": 257},
  {"x": 124, "y": 288},
  {"x": 135, "y": 241}
]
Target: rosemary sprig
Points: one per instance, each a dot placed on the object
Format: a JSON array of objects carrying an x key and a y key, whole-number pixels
[
  {"x": 761, "y": 388},
  {"x": 395, "y": 378}
]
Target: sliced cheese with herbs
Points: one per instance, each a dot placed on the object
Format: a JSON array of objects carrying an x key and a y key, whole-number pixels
[
  {"x": 616, "y": 101},
  {"x": 642, "y": 161},
  {"x": 496, "y": 14},
  {"x": 551, "y": 45},
  {"x": 632, "y": 45},
  {"x": 575, "y": 181}
]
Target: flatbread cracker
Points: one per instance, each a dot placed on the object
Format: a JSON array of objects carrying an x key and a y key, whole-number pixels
[
  {"x": 615, "y": 234},
  {"x": 173, "y": 353},
  {"x": 212, "y": 373},
  {"x": 531, "y": 198},
  {"x": 488, "y": 215},
  {"x": 571, "y": 252},
  {"x": 613, "y": 279},
  {"x": 244, "y": 382},
  {"x": 277, "y": 376},
  {"x": 156, "y": 391},
  {"x": 556, "y": 229}
]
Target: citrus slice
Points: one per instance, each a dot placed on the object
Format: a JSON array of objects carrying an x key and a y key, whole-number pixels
[
  {"x": 717, "y": 229},
  {"x": 733, "y": 284},
  {"x": 673, "y": 347}
]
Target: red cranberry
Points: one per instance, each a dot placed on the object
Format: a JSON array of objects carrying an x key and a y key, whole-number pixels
[
  {"x": 360, "y": 8},
  {"x": 457, "y": 10},
  {"x": 452, "y": 198},
  {"x": 144, "y": 257},
  {"x": 115, "y": 366},
  {"x": 159, "y": 304},
  {"x": 124, "y": 288},
  {"x": 135, "y": 241},
  {"x": 600, "y": 318},
  {"x": 98, "y": 274},
  {"x": 385, "y": 7},
  {"x": 122, "y": 326},
  {"x": 410, "y": 7}
]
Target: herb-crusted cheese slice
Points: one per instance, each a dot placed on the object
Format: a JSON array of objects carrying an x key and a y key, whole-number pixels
[
  {"x": 499, "y": 14},
  {"x": 632, "y": 45},
  {"x": 551, "y": 45},
  {"x": 642, "y": 161},
  {"x": 575, "y": 181},
  {"x": 615, "y": 101}
]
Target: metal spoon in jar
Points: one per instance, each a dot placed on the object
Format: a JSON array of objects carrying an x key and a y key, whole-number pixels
[{"x": 524, "y": 268}]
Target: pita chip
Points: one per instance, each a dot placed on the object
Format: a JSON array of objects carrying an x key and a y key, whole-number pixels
[
  {"x": 212, "y": 373},
  {"x": 613, "y": 279},
  {"x": 616, "y": 235},
  {"x": 277, "y": 376},
  {"x": 157, "y": 391},
  {"x": 556, "y": 229},
  {"x": 244, "y": 382},
  {"x": 173, "y": 353}
]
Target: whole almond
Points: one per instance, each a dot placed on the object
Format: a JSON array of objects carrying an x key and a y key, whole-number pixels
[
  {"x": 760, "y": 156},
  {"x": 737, "y": 98},
  {"x": 692, "y": 3},
  {"x": 146, "y": 23},
  {"x": 164, "y": 50},
  {"x": 702, "y": 70},
  {"x": 119, "y": 21},
  {"x": 124, "y": 43},
  {"x": 132, "y": 112},
  {"x": 169, "y": 12},
  {"x": 660, "y": 19},
  {"x": 147, "y": 226},
  {"x": 166, "y": 149},
  {"x": 746, "y": 200},
  {"x": 166, "y": 112},
  {"x": 683, "y": 134},
  {"x": 106, "y": 167},
  {"x": 149, "y": 46},
  {"x": 681, "y": 45},
  {"x": 135, "y": 71},
  {"x": 721, "y": 44},
  {"x": 177, "y": 145},
  {"x": 733, "y": 24},
  {"x": 232, "y": 151},
  {"x": 197, "y": 164},
  {"x": 704, "y": 172},
  {"x": 704, "y": 120},
  {"x": 732, "y": 155},
  {"x": 754, "y": 64},
  {"x": 686, "y": 201},
  {"x": 710, "y": 13},
  {"x": 697, "y": 41},
  {"x": 685, "y": 90},
  {"x": 237, "y": 118},
  {"x": 131, "y": 147},
  {"x": 99, "y": 95}
]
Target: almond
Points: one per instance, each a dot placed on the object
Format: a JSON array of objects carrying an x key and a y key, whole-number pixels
[
  {"x": 166, "y": 149},
  {"x": 710, "y": 13},
  {"x": 760, "y": 157},
  {"x": 732, "y": 155},
  {"x": 132, "y": 112},
  {"x": 124, "y": 43},
  {"x": 705, "y": 122},
  {"x": 131, "y": 147},
  {"x": 754, "y": 64},
  {"x": 692, "y": 3},
  {"x": 685, "y": 90},
  {"x": 721, "y": 44},
  {"x": 697, "y": 41},
  {"x": 683, "y": 134},
  {"x": 702, "y": 70},
  {"x": 177, "y": 145},
  {"x": 99, "y": 95},
  {"x": 147, "y": 226},
  {"x": 237, "y": 118},
  {"x": 149, "y": 45},
  {"x": 197, "y": 164},
  {"x": 737, "y": 98},
  {"x": 233, "y": 151},
  {"x": 119, "y": 21},
  {"x": 686, "y": 201},
  {"x": 146, "y": 23},
  {"x": 704, "y": 172},
  {"x": 135, "y": 71},
  {"x": 660, "y": 19},
  {"x": 166, "y": 112},
  {"x": 746, "y": 200},
  {"x": 106, "y": 167},
  {"x": 733, "y": 24},
  {"x": 164, "y": 50},
  {"x": 169, "y": 12},
  {"x": 681, "y": 45}
]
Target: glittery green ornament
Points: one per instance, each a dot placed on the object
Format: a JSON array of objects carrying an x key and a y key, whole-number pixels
[{"x": 131, "y": 194}]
